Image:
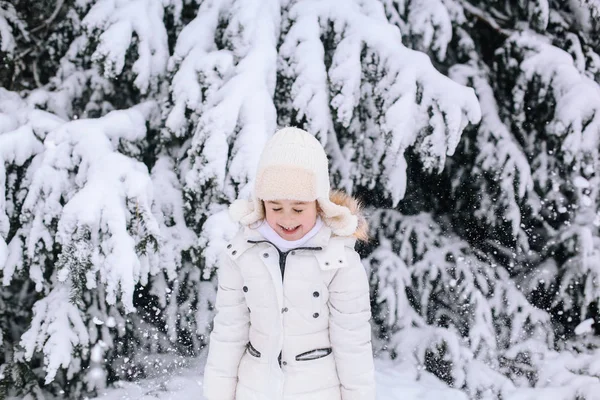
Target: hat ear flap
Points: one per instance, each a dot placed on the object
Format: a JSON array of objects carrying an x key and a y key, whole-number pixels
[
  {"x": 339, "y": 218},
  {"x": 245, "y": 211}
]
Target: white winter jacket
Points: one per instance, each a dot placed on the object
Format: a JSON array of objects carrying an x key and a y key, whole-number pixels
[{"x": 304, "y": 337}]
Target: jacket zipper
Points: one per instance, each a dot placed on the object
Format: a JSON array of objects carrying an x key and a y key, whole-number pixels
[
  {"x": 282, "y": 261},
  {"x": 283, "y": 255}
]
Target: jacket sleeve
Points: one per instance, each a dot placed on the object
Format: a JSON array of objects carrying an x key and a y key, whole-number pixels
[
  {"x": 350, "y": 330},
  {"x": 229, "y": 336}
]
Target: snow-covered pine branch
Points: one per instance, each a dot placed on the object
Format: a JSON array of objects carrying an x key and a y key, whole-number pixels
[
  {"x": 126, "y": 23},
  {"x": 563, "y": 374},
  {"x": 180, "y": 276},
  {"x": 9, "y": 22},
  {"x": 73, "y": 85},
  {"x": 221, "y": 110},
  {"x": 371, "y": 98},
  {"x": 108, "y": 200},
  {"x": 500, "y": 175},
  {"x": 22, "y": 130},
  {"x": 58, "y": 330},
  {"x": 237, "y": 114},
  {"x": 575, "y": 116},
  {"x": 96, "y": 205},
  {"x": 168, "y": 211},
  {"x": 454, "y": 288},
  {"x": 566, "y": 162},
  {"x": 534, "y": 13},
  {"x": 199, "y": 68},
  {"x": 430, "y": 26}
]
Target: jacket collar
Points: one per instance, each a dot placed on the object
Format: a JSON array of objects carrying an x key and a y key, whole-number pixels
[
  {"x": 321, "y": 239},
  {"x": 332, "y": 255}
]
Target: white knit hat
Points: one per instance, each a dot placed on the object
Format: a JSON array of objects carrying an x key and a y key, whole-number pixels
[{"x": 294, "y": 166}]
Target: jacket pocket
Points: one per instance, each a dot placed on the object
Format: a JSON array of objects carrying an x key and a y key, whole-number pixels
[
  {"x": 252, "y": 351},
  {"x": 314, "y": 354}
]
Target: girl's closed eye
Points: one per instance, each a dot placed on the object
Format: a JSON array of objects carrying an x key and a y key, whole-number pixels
[
  {"x": 298, "y": 211},
  {"x": 276, "y": 209}
]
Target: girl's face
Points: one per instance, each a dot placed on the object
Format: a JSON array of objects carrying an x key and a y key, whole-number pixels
[{"x": 291, "y": 219}]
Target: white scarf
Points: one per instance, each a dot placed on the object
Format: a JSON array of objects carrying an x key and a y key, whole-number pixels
[{"x": 286, "y": 245}]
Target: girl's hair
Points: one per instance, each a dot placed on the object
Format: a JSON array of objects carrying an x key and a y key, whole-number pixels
[{"x": 343, "y": 199}]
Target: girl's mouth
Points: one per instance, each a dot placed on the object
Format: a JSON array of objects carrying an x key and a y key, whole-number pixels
[{"x": 290, "y": 231}]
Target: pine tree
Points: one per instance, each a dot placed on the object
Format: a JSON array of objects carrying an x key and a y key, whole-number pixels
[
  {"x": 468, "y": 128},
  {"x": 519, "y": 191}
]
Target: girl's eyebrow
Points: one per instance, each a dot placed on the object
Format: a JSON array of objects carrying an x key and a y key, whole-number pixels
[{"x": 297, "y": 203}]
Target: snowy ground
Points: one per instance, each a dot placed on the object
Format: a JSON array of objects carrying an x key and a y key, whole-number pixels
[{"x": 185, "y": 382}]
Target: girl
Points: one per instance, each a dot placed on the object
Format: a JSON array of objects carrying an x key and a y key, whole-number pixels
[{"x": 293, "y": 305}]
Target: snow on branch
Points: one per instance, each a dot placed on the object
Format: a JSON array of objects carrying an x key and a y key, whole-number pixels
[
  {"x": 218, "y": 229},
  {"x": 562, "y": 375},
  {"x": 107, "y": 203},
  {"x": 168, "y": 211},
  {"x": 70, "y": 85},
  {"x": 93, "y": 207},
  {"x": 21, "y": 131},
  {"x": 9, "y": 20},
  {"x": 451, "y": 287},
  {"x": 561, "y": 116},
  {"x": 238, "y": 113},
  {"x": 117, "y": 21},
  {"x": 302, "y": 61},
  {"x": 430, "y": 26},
  {"x": 535, "y": 12},
  {"x": 501, "y": 170},
  {"x": 410, "y": 76},
  {"x": 577, "y": 287},
  {"x": 372, "y": 85},
  {"x": 200, "y": 67},
  {"x": 57, "y": 330},
  {"x": 576, "y": 97},
  {"x": 390, "y": 278}
]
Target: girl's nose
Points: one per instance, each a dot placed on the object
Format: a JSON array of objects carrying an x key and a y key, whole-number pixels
[{"x": 288, "y": 218}]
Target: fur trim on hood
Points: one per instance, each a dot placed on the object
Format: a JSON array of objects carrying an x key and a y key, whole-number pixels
[{"x": 345, "y": 200}]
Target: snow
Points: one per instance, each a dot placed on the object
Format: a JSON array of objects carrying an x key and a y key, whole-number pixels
[
  {"x": 196, "y": 56},
  {"x": 390, "y": 73},
  {"x": 584, "y": 327},
  {"x": 480, "y": 297},
  {"x": 431, "y": 26},
  {"x": 167, "y": 208},
  {"x": 500, "y": 156},
  {"x": 116, "y": 172},
  {"x": 218, "y": 230},
  {"x": 181, "y": 379},
  {"x": 108, "y": 192},
  {"x": 100, "y": 170},
  {"x": 9, "y": 22},
  {"x": 302, "y": 57},
  {"x": 240, "y": 107},
  {"x": 21, "y": 128},
  {"x": 119, "y": 20},
  {"x": 577, "y": 96},
  {"x": 57, "y": 329}
]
